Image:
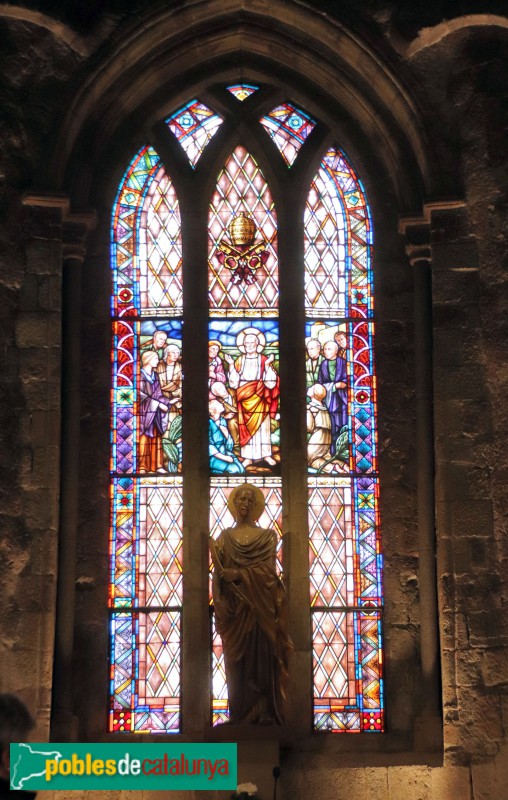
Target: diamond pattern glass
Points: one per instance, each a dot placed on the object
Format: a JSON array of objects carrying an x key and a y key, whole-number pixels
[
  {"x": 146, "y": 451},
  {"x": 146, "y": 541},
  {"x": 331, "y": 544},
  {"x": 289, "y": 127},
  {"x": 160, "y": 546},
  {"x": 242, "y": 191},
  {"x": 160, "y": 249},
  {"x": 345, "y": 553},
  {"x": 194, "y": 125},
  {"x": 221, "y": 518}
]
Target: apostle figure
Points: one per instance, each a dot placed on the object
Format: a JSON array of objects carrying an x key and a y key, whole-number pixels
[
  {"x": 333, "y": 376},
  {"x": 219, "y": 391},
  {"x": 257, "y": 392},
  {"x": 216, "y": 370},
  {"x": 223, "y": 461},
  {"x": 319, "y": 430},
  {"x": 251, "y": 613},
  {"x": 169, "y": 372},
  {"x": 153, "y": 415},
  {"x": 313, "y": 361},
  {"x": 157, "y": 343}
]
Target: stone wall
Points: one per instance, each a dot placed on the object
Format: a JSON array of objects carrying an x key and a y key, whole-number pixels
[{"x": 458, "y": 81}]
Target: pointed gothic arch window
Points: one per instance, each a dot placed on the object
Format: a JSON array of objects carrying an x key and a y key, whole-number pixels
[{"x": 336, "y": 392}]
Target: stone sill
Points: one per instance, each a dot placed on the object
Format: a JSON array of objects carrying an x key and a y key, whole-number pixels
[{"x": 424, "y": 748}]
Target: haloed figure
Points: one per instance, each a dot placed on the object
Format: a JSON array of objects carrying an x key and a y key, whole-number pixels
[
  {"x": 251, "y": 613},
  {"x": 257, "y": 393}
]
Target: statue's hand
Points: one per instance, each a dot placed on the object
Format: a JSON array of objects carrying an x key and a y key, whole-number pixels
[{"x": 229, "y": 575}]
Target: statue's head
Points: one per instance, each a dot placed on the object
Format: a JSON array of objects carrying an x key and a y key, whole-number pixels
[{"x": 246, "y": 502}]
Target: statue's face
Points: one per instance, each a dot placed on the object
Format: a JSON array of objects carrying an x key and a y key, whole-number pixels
[
  {"x": 213, "y": 350},
  {"x": 244, "y": 503}
]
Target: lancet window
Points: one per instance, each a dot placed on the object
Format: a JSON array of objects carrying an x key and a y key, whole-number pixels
[{"x": 242, "y": 391}]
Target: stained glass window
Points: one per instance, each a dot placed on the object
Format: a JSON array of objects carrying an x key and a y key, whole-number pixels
[
  {"x": 345, "y": 557},
  {"x": 243, "y": 349},
  {"x": 242, "y": 428},
  {"x": 146, "y": 487},
  {"x": 194, "y": 125},
  {"x": 242, "y": 265},
  {"x": 220, "y": 518},
  {"x": 289, "y": 128},
  {"x": 242, "y": 90}
]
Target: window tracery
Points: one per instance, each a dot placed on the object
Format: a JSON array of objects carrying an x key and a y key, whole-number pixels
[{"x": 243, "y": 426}]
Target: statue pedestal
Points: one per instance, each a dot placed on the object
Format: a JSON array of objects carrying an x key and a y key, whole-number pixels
[
  {"x": 258, "y": 754},
  {"x": 256, "y": 761}
]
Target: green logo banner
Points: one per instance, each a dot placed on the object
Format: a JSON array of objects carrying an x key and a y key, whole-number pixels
[{"x": 42, "y": 766}]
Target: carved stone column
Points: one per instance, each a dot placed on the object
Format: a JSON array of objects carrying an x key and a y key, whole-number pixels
[
  {"x": 428, "y": 726},
  {"x": 75, "y": 232}
]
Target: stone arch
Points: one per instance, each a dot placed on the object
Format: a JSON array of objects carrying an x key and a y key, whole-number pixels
[{"x": 324, "y": 64}]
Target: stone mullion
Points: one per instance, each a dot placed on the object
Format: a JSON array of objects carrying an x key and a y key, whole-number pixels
[
  {"x": 294, "y": 456},
  {"x": 196, "y": 661}
]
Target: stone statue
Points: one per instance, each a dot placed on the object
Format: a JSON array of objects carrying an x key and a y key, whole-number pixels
[{"x": 251, "y": 613}]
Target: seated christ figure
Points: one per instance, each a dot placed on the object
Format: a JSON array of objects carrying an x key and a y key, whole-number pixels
[{"x": 257, "y": 392}]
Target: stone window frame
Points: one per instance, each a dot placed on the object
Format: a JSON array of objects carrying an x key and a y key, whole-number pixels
[{"x": 76, "y": 227}]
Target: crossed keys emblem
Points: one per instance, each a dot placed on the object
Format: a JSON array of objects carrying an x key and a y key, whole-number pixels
[{"x": 242, "y": 255}]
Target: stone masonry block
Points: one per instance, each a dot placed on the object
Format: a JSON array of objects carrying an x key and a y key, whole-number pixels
[
  {"x": 473, "y": 554},
  {"x": 50, "y": 293},
  {"x": 45, "y": 396},
  {"x": 483, "y": 780},
  {"x": 38, "y": 329},
  {"x": 494, "y": 668},
  {"x": 39, "y": 364},
  {"x": 44, "y": 257},
  {"x": 467, "y": 665},
  {"x": 347, "y": 784},
  {"x": 450, "y": 783},
  {"x": 450, "y": 225},
  {"x": 462, "y": 382},
  {"x": 413, "y": 782},
  {"x": 455, "y": 287},
  {"x": 455, "y": 256},
  {"x": 488, "y": 628},
  {"x": 44, "y": 428},
  {"x": 29, "y": 294},
  {"x": 454, "y": 630},
  {"x": 46, "y": 466},
  {"x": 462, "y": 481},
  {"x": 463, "y": 420},
  {"x": 40, "y": 508},
  {"x": 473, "y": 518}
]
